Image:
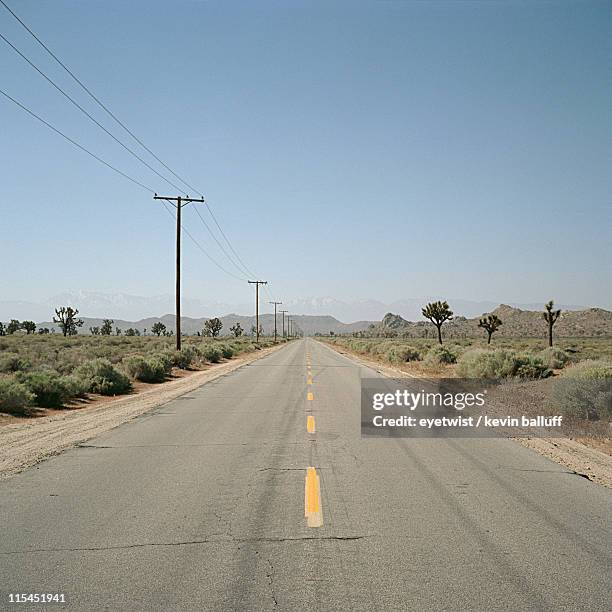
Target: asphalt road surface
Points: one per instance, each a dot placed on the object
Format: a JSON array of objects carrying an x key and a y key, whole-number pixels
[{"x": 201, "y": 504}]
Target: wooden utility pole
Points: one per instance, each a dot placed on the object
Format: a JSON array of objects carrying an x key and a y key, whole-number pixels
[
  {"x": 257, "y": 283},
  {"x": 283, "y": 311},
  {"x": 180, "y": 202},
  {"x": 275, "y": 304}
]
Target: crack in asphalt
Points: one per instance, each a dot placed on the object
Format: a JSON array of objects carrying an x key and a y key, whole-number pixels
[
  {"x": 214, "y": 540},
  {"x": 270, "y": 575}
]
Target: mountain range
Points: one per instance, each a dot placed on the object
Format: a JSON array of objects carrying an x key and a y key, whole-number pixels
[
  {"x": 133, "y": 308},
  {"x": 309, "y": 324}
]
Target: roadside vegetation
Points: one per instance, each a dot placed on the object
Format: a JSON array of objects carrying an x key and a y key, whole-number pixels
[
  {"x": 579, "y": 369},
  {"x": 55, "y": 371}
]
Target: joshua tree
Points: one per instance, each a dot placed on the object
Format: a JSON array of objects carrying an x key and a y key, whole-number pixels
[
  {"x": 117, "y": 331},
  {"x": 236, "y": 330},
  {"x": 253, "y": 330},
  {"x": 13, "y": 326},
  {"x": 212, "y": 327},
  {"x": 29, "y": 327},
  {"x": 43, "y": 330},
  {"x": 107, "y": 327},
  {"x": 550, "y": 316},
  {"x": 158, "y": 329},
  {"x": 2, "y": 329},
  {"x": 491, "y": 323},
  {"x": 130, "y": 331},
  {"x": 66, "y": 317},
  {"x": 94, "y": 331},
  {"x": 438, "y": 313}
]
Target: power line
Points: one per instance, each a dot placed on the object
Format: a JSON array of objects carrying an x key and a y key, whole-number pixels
[
  {"x": 87, "y": 114},
  {"x": 219, "y": 243},
  {"x": 201, "y": 248},
  {"x": 226, "y": 239},
  {"x": 242, "y": 268},
  {"x": 114, "y": 169},
  {"x": 95, "y": 98},
  {"x": 76, "y": 144}
]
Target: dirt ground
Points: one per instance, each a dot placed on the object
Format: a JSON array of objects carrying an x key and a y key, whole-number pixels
[
  {"x": 26, "y": 442},
  {"x": 587, "y": 455}
]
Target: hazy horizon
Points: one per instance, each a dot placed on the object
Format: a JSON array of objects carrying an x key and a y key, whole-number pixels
[{"x": 129, "y": 307}]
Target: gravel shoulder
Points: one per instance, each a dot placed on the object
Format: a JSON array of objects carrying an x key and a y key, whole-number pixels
[
  {"x": 583, "y": 459},
  {"x": 28, "y": 442}
]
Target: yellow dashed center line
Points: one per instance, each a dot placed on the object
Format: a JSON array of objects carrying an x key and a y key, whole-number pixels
[
  {"x": 310, "y": 424},
  {"x": 312, "y": 499},
  {"x": 310, "y": 396}
]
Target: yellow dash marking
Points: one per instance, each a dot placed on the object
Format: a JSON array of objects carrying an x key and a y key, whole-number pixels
[
  {"x": 309, "y": 381},
  {"x": 312, "y": 499},
  {"x": 310, "y": 424},
  {"x": 310, "y": 396}
]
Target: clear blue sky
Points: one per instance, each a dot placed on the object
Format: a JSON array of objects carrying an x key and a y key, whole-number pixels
[{"x": 377, "y": 149}]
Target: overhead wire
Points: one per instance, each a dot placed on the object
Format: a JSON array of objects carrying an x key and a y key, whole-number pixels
[
  {"x": 85, "y": 112},
  {"x": 240, "y": 265},
  {"x": 76, "y": 144},
  {"x": 95, "y": 98}
]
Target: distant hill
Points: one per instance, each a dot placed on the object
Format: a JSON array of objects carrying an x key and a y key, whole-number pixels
[
  {"x": 133, "y": 307},
  {"x": 516, "y": 323},
  {"x": 310, "y": 325}
]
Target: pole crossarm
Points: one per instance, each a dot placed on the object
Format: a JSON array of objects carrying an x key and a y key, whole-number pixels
[{"x": 181, "y": 199}]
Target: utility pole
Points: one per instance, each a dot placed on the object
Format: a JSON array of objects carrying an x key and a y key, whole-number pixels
[
  {"x": 257, "y": 283},
  {"x": 275, "y": 304},
  {"x": 283, "y": 311},
  {"x": 289, "y": 327},
  {"x": 180, "y": 202}
]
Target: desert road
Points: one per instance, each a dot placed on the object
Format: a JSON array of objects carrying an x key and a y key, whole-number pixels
[{"x": 208, "y": 503}]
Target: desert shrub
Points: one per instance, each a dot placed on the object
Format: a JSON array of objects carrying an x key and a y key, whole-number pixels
[
  {"x": 554, "y": 358},
  {"x": 99, "y": 376},
  {"x": 12, "y": 362},
  {"x": 381, "y": 348},
  {"x": 166, "y": 358},
  {"x": 134, "y": 366},
  {"x": 76, "y": 387},
  {"x": 212, "y": 354},
  {"x": 359, "y": 346},
  {"x": 530, "y": 366},
  {"x": 440, "y": 355},
  {"x": 15, "y": 397},
  {"x": 500, "y": 363},
  {"x": 182, "y": 359},
  {"x": 402, "y": 354},
  {"x": 151, "y": 369},
  {"x": 49, "y": 388},
  {"x": 226, "y": 350},
  {"x": 584, "y": 391}
]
